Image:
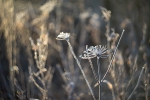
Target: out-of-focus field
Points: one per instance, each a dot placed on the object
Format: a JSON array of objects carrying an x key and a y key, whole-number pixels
[{"x": 34, "y": 65}]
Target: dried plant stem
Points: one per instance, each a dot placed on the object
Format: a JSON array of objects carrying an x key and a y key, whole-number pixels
[
  {"x": 135, "y": 62},
  {"x": 110, "y": 64},
  {"x": 99, "y": 76},
  {"x": 41, "y": 80},
  {"x": 137, "y": 83},
  {"x": 111, "y": 88},
  {"x": 91, "y": 65},
  {"x": 44, "y": 93},
  {"x": 113, "y": 94},
  {"x": 39, "y": 87},
  {"x": 147, "y": 78},
  {"x": 80, "y": 68},
  {"x": 94, "y": 73}
]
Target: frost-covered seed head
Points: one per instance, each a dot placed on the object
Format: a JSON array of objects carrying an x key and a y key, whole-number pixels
[
  {"x": 63, "y": 36},
  {"x": 95, "y": 51}
]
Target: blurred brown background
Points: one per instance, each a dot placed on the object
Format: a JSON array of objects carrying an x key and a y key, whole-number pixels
[{"x": 33, "y": 64}]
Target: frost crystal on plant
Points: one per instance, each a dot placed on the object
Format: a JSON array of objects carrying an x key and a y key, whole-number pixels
[
  {"x": 101, "y": 51},
  {"x": 88, "y": 53},
  {"x": 95, "y": 51},
  {"x": 63, "y": 36}
]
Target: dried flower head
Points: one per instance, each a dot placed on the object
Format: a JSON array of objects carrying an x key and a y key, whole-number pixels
[
  {"x": 63, "y": 36},
  {"x": 88, "y": 53},
  {"x": 101, "y": 51},
  {"x": 95, "y": 51}
]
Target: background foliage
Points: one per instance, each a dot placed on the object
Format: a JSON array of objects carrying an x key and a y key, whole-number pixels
[{"x": 30, "y": 56}]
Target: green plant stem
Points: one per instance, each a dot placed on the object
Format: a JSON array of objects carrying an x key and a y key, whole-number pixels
[
  {"x": 80, "y": 68},
  {"x": 99, "y": 76}
]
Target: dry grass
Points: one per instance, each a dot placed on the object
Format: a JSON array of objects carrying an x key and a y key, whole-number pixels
[{"x": 34, "y": 65}]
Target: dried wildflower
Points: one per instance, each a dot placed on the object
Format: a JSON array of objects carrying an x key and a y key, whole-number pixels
[
  {"x": 95, "y": 51},
  {"x": 101, "y": 51},
  {"x": 63, "y": 36},
  {"x": 88, "y": 53},
  {"x": 98, "y": 51}
]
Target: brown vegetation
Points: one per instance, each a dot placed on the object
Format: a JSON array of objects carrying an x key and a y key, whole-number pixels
[{"x": 34, "y": 65}]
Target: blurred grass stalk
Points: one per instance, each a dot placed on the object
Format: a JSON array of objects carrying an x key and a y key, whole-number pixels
[
  {"x": 7, "y": 16},
  {"x": 139, "y": 79},
  {"x": 40, "y": 56}
]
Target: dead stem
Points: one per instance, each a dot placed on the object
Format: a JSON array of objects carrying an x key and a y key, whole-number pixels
[
  {"x": 99, "y": 77},
  {"x": 137, "y": 82},
  {"x": 110, "y": 64},
  {"x": 80, "y": 68}
]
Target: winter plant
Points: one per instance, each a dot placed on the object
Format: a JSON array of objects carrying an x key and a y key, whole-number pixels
[
  {"x": 65, "y": 36},
  {"x": 99, "y": 51}
]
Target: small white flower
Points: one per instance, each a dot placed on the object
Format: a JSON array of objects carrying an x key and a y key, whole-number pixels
[
  {"x": 95, "y": 51},
  {"x": 63, "y": 36}
]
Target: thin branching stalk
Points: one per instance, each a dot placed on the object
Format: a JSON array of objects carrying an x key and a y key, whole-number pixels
[
  {"x": 80, "y": 68},
  {"x": 137, "y": 82},
  {"x": 91, "y": 65},
  {"x": 99, "y": 77},
  {"x": 38, "y": 86},
  {"x": 94, "y": 73},
  {"x": 110, "y": 64}
]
